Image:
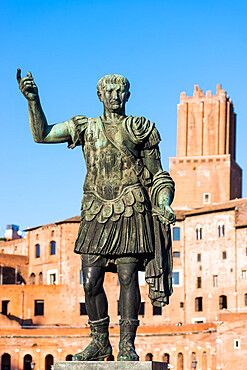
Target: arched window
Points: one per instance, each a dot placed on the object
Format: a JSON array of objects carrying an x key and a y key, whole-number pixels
[
  {"x": 204, "y": 361},
  {"x": 166, "y": 358},
  {"x": 49, "y": 362},
  {"x": 69, "y": 358},
  {"x": 32, "y": 279},
  {"x": 221, "y": 229},
  {"x": 223, "y": 302},
  {"x": 245, "y": 299},
  {"x": 193, "y": 360},
  {"x": 52, "y": 247},
  {"x": 27, "y": 362},
  {"x": 37, "y": 250},
  {"x": 40, "y": 278},
  {"x": 198, "y": 232},
  {"x": 180, "y": 361},
  {"x": 149, "y": 357},
  {"x": 5, "y": 362}
]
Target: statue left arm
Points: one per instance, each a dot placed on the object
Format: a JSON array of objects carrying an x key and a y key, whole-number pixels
[{"x": 151, "y": 160}]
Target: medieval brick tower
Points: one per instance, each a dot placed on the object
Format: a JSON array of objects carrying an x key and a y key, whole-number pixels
[{"x": 205, "y": 170}]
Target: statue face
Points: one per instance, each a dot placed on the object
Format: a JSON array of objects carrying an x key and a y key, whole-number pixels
[{"x": 114, "y": 97}]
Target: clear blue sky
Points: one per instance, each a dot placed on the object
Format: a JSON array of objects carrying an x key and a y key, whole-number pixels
[{"x": 162, "y": 47}]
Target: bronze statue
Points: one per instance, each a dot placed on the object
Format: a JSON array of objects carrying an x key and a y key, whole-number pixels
[{"x": 125, "y": 209}]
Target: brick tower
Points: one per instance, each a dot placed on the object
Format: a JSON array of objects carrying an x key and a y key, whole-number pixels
[{"x": 205, "y": 170}]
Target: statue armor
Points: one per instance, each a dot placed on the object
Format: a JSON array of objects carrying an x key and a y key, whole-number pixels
[
  {"x": 116, "y": 210},
  {"x": 109, "y": 171}
]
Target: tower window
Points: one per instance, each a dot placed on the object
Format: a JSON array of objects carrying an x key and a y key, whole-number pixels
[
  {"x": 215, "y": 281},
  {"x": 236, "y": 343},
  {"x": 224, "y": 255},
  {"x": 198, "y": 304},
  {"x": 223, "y": 302},
  {"x": 206, "y": 198},
  {"x": 199, "y": 257},
  {"x": 199, "y": 282}
]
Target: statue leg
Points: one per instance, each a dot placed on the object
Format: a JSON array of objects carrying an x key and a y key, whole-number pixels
[
  {"x": 129, "y": 305},
  {"x": 97, "y": 309},
  {"x": 95, "y": 298}
]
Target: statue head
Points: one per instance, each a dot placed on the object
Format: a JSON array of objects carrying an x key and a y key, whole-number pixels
[
  {"x": 113, "y": 80},
  {"x": 113, "y": 92}
]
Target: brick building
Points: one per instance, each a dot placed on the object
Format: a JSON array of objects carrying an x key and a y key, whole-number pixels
[{"x": 43, "y": 317}]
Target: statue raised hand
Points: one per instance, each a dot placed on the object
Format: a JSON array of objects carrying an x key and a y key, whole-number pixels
[{"x": 27, "y": 86}]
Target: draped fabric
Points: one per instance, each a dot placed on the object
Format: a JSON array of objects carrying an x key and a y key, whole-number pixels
[{"x": 159, "y": 269}]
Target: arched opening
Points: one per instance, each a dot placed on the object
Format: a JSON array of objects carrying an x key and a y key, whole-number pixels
[
  {"x": 198, "y": 232},
  {"x": 223, "y": 302},
  {"x": 37, "y": 250},
  {"x": 193, "y": 360},
  {"x": 48, "y": 362},
  {"x": 204, "y": 361},
  {"x": 166, "y": 358},
  {"x": 180, "y": 361},
  {"x": 149, "y": 357},
  {"x": 32, "y": 279},
  {"x": 69, "y": 358},
  {"x": 27, "y": 362},
  {"x": 245, "y": 299},
  {"x": 5, "y": 362},
  {"x": 40, "y": 278},
  {"x": 221, "y": 229}
]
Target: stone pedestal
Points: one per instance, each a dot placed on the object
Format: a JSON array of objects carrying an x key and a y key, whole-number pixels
[{"x": 109, "y": 365}]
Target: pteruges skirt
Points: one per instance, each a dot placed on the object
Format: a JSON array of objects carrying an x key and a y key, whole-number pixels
[{"x": 122, "y": 227}]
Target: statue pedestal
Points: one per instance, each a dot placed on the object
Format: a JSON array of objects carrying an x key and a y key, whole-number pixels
[{"x": 109, "y": 365}]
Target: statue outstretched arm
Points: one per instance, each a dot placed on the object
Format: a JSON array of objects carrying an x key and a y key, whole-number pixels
[{"x": 42, "y": 132}]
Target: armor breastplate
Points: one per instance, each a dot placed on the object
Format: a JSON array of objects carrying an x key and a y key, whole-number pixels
[{"x": 109, "y": 171}]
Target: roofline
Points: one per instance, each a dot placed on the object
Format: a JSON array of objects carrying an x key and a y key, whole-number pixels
[
  {"x": 67, "y": 221},
  {"x": 212, "y": 210},
  {"x": 217, "y": 207}
]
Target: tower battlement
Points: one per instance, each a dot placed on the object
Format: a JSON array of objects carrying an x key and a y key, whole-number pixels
[{"x": 206, "y": 127}]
